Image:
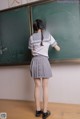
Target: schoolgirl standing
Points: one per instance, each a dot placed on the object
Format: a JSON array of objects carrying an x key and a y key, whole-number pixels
[{"x": 40, "y": 68}]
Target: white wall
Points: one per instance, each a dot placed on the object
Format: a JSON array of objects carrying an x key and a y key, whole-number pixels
[
  {"x": 64, "y": 86},
  {"x": 4, "y": 4},
  {"x": 16, "y": 83}
]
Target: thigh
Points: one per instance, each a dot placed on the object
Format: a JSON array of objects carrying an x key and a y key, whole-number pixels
[
  {"x": 44, "y": 82},
  {"x": 37, "y": 82}
]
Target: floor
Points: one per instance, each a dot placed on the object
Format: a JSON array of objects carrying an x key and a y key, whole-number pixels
[{"x": 25, "y": 110}]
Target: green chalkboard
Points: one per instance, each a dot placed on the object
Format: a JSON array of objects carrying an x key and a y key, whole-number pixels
[
  {"x": 63, "y": 22},
  {"x": 14, "y": 36}
]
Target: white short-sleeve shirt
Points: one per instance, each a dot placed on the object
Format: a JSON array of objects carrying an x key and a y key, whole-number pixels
[{"x": 35, "y": 41}]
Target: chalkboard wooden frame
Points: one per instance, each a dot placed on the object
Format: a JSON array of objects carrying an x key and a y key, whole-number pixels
[{"x": 30, "y": 5}]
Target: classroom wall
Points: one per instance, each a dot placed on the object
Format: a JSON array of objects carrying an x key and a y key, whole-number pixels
[
  {"x": 16, "y": 83},
  {"x": 4, "y": 4}
]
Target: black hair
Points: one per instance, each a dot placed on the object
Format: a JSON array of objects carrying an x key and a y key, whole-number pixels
[{"x": 39, "y": 24}]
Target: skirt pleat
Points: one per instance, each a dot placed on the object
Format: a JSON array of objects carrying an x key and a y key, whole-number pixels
[{"x": 40, "y": 67}]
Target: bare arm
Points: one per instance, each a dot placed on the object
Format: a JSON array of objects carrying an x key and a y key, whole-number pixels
[{"x": 57, "y": 48}]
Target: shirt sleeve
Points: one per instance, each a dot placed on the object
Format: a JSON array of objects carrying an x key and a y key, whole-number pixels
[
  {"x": 30, "y": 46},
  {"x": 52, "y": 41}
]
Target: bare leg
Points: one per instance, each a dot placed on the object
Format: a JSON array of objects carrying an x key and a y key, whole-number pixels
[
  {"x": 45, "y": 94},
  {"x": 37, "y": 93}
]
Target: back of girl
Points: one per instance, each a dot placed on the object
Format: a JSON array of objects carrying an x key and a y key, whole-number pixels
[{"x": 40, "y": 68}]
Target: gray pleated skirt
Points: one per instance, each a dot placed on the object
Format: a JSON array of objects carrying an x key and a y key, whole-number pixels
[{"x": 40, "y": 67}]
